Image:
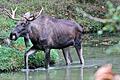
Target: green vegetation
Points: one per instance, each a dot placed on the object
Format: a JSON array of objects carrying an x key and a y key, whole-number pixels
[
  {"x": 11, "y": 57},
  {"x": 67, "y": 10},
  {"x": 59, "y": 9},
  {"x": 114, "y": 14}
]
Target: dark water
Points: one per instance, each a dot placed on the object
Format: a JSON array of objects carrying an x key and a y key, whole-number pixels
[{"x": 95, "y": 55}]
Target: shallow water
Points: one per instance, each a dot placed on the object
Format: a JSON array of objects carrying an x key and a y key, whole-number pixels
[
  {"x": 95, "y": 56},
  {"x": 73, "y": 72}
]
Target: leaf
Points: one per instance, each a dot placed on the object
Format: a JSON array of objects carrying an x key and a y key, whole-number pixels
[
  {"x": 115, "y": 18},
  {"x": 109, "y": 4},
  {"x": 100, "y": 32},
  {"x": 118, "y": 8}
]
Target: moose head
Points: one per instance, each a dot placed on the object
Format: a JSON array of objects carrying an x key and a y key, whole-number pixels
[{"x": 20, "y": 29}]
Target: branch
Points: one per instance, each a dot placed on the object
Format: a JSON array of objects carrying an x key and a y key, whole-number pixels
[{"x": 95, "y": 18}]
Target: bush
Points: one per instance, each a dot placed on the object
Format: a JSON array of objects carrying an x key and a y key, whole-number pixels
[
  {"x": 113, "y": 13},
  {"x": 5, "y": 26},
  {"x": 37, "y": 60},
  {"x": 10, "y": 59}
]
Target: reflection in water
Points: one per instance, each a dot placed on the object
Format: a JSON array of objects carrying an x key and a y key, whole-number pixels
[
  {"x": 68, "y": 73},
  {"x": 27, "y": 75},
  {"x": 47, "y": 77},
  {"x": 49, "y": 74},
  {"x": 81, "y": 73},
  {"x": 33, "y": 77}
]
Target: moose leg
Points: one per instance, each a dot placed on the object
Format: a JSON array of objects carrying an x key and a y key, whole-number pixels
[
  {"x": 27, "y": 54},
  {"x": 80, "y": 54},
  {"x": 26, "y": 40},
  {"x": 47, "y": 58},
  {"x": 78, "y": 47},
  {"x": 67, "y": 56}
]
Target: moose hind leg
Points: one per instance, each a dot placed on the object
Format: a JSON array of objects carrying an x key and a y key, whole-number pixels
[
  {"x": 67, "y": 56},
  {"x": 78, "y": 47},
  {"x": 27, "y": 54}
]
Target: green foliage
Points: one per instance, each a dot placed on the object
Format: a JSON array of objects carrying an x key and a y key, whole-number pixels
[
  {"x": 54, "y": 55},
  {"x": 10, "y": 59},
  {"x": 19, "y": 44},
  {"x": 114, "y": 14},
  {"x": 5, "y": 26},
  {"x": 60, "y": 9},
  {"x": 67, "y": 10},
  {"x": 37, "y": 60},
  {"x": 90, "y": 1},
  {"x": 6, "y": 23},
  {"x": 89, "y": 25}
]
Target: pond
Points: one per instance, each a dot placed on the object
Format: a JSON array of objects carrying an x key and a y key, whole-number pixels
[{"x": 94, "y": 53}]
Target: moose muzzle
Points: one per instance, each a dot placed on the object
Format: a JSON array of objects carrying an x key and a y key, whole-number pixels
[{"x": 14, "y": 36}]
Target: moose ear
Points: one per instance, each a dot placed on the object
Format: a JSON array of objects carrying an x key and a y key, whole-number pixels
[
  {"x": 27, "y": 15},
  {"x": 32, "y": 17}
]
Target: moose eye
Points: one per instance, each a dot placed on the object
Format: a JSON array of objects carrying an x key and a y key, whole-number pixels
[{"x": 22, "y": 24}]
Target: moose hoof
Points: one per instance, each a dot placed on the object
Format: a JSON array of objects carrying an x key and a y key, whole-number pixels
[{"x": 46, "y": 67}]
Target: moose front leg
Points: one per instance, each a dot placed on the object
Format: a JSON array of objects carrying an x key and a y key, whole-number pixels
[
  {"x": 47, "y": 58},
  {"x": 26, "y": 40},
  {"x": 67, "y": 55},
  {"x": 27, "y": 54},
  {"x": 80, "y": 53}
]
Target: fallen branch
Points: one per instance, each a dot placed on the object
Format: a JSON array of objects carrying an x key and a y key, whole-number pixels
[{"x": 95, "y": 18}]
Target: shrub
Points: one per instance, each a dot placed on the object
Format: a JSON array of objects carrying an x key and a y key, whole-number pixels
[
  {"x": 10, "y": 59},
  {"x": 37, "y": 60},
  {"x": 113, "y": 13}
]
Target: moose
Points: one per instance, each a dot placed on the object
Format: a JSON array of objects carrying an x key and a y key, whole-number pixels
[{"x": 46, "y": 33}]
